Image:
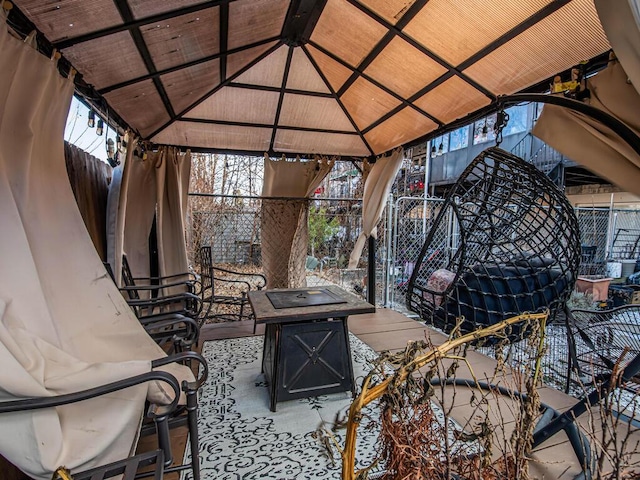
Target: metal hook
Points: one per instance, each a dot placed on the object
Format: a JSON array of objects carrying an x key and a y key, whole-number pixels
[{"x": 502, "y": 118}]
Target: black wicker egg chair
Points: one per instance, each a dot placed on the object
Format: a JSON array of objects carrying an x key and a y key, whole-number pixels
[{"x": 505, "y": 241}]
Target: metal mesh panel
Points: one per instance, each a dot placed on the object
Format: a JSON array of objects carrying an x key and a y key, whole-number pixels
[
  {"x": 593, "y": 224},
  {"x": 231, "y": 225},
  {"x": 625, "y": 232},
  {"x": 412, "y": 221},
  {"x": 607, "y": 235}
]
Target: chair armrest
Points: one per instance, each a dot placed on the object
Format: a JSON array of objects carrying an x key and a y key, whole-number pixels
[
  {"x": 233, "y": 280},
  {"x": 185, "y": 298},
  {"x": 193, "y": 286},
  {"x": 187, "y": 358},
  {"x": 259, "y": 276},
  {"x": 189, "y": 277},
  {"x": 190, "y": 280},
  {"x": 184, "y": 328},
  {"x": 36, "y": 403},
  {"x": 159, "y": 320}
]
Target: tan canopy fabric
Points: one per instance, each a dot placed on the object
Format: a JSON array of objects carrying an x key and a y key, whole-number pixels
[
  {"x": 589, "y": 142},
  {"x": 621, "y": 22},
  {"x": 144, "y": 189},
  {"x": 285, "y": 234},
  {"x": 335, "y": 77},
  {"x": 63, "y": 324},
  {"x": 172, "y": 186},
  {"x": 117, "y": 211},
  {"x": 377, "y": 187}
]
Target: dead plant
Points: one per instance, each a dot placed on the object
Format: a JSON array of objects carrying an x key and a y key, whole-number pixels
[{"x": 416, "y": 393}]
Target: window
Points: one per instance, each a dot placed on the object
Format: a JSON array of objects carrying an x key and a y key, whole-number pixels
[
  {"x": 517, "y": 120},
  {"x": 439, "y": 145},
  {"x": 483, "y": 130},
  {"x": 459, "y": 139}
]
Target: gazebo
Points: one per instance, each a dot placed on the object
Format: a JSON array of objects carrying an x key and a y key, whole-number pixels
[{"x": 313, "y": 81}]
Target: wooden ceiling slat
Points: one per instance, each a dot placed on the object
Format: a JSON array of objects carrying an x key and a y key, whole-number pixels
[
  {"x": 263, "y": 43},
  {"x": 127, "y": 16},
  {"x": 183, "y": 39},
  {"x": 137, "y": 23},
  {"x": 388, "y": 66},
  {"x": 218, "y": 87},
  {"x": 337, "y": 98}
]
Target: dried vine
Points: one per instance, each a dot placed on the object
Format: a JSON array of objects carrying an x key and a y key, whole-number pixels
[{"x": 418, "y": 443}]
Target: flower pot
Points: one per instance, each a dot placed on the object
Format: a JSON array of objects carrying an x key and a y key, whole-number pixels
[{"x": 595, "y": 285}]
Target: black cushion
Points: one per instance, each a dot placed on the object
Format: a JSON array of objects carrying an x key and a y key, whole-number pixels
[{"x": 488, "y": 294}]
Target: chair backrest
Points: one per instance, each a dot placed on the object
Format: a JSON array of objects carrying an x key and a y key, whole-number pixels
[
  {"x": 504, "y": 242},
  {"x": 206, "y": 272},
  {"x": 605, "y": 339},
  {"x": 127, "y": 279}
]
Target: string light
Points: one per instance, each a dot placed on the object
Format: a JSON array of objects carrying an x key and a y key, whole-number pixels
[
  {"x": 484, "y": 131},
  {"x": 118, "y": 142},
  {"x": 110, "y": 148},
  {"x": 100, "y": 128},
  {"x": 91, "y": 121},
  {"x": 440, "y": 148}
]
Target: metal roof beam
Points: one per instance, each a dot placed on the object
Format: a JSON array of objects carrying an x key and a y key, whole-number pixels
[
  {"x": 259, "y": 58},
  {"x": 127, "y": 15},
  {"x": 337, "y": 98},
  {"x": 136, "y": 23},
  {"x": 302, "y": 17},
  {"x": 182, "y": 66}
]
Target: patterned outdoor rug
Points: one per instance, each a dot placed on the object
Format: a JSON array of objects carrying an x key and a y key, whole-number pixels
[{"x": 240, "y": 438}]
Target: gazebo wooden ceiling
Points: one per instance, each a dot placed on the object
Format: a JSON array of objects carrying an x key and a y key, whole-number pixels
[{"x": 338, "y": 77}]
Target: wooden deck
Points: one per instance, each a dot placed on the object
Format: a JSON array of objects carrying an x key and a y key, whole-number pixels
[{"x": 390, "y": 330}]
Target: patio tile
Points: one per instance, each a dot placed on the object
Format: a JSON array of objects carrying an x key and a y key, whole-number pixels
[{"x": 390, "y": 330}]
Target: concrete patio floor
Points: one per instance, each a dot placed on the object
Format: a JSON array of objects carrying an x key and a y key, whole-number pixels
[{"x": 390, "y": 330}]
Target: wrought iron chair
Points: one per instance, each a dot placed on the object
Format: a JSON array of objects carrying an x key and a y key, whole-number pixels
[
  {"x": 604, "y": 347},
  {"x": 147, "y": 296},
  {"x": 505, "y": 241},
  {"x": 239, "y": 284},
  {"x": 162, "y": 417},
  {"x": 177, "y": 328},
  {"x": 603, "y": 341}
]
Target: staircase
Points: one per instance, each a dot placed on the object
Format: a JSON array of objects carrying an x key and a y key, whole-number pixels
[{"x": 544, "y": 157}]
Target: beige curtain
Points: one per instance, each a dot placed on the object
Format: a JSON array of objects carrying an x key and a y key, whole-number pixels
[
  {"x": 173, "y": 169},
  {"x": 589, "y": 142},
  {"x": 63, "y": 324},
  {"x": 117, "y": 212},
  {"x": 377, "y": 187},
  {"x": 89, "y": 178},
  {"x": 284, "y": 228},
  {"x": 621, "y": 22},
  {"x": 143, "y": 189}
]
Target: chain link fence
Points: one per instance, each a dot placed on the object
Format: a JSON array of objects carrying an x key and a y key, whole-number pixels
[
  {"x": 605, "y": 235},
  {"x": 608, "y": 235},
  {"x": 232, "y": 226},
  {"x": 412, "y": 217}
]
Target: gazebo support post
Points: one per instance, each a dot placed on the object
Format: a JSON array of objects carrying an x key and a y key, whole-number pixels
[{"x": 371, "y": 271}]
